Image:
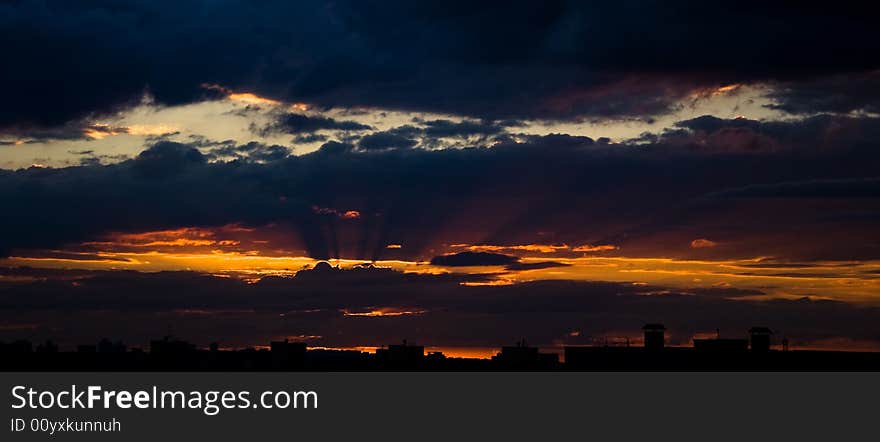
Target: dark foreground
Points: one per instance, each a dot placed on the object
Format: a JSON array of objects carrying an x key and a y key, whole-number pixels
[{"x": 296, "y": 357}]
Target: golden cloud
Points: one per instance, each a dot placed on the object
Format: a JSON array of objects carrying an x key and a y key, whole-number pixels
[
  {"x": 99, "y": 131},
  {"x": 596, "y": 248},
  {"x": 249, "y": 98},
  {"x": 540, "y": 248},
  {"x": 245, "y": 97},
  {"x": 702, "y": 243}
]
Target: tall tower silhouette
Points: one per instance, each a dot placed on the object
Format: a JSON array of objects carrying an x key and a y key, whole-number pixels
[
  {"x": 759, "y": 338},
  {"x": 655, "y": 336}
]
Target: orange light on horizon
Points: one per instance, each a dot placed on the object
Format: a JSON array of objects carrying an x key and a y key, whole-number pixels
[
  {"x": 302, "y": 107},
  {"x": 596, "y": 248},
  {"x": 252, "y": 98},
  {"x": 490, "y": 283},
  {"x": 250, "y": 254},
  {"x": 539, "y": 248},
  {"x": 96, "y": 134},
  {"x": 249, "y": 98},
  {"x": 857, "y": 282},
  {"x": 385, "y": 311},
  {"x": 727, "y": 89},
  {"x": 720, "y": 91},
  {"x": 99, "y": 131},
  {"x": 151, "y": 129}
]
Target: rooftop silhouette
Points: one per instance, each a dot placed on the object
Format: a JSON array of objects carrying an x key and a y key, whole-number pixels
[{"x": 752, "y": 353}]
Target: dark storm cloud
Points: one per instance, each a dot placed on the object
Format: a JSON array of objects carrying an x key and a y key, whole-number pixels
[
  {"x": 649, "y": 199},
  {"x": 535, "y": 265},
  {"x": 136, "y": 307},
  {"x": 166, "y": 159},
  {"x": 832, "y": 188},
  {"x": 553, "y": 59},
  {"x": 70, "y": 131},
  {"x": 447, "y": 128},
  {"x": 391, "y": 139},
  {"x": 839, "y": 94},
  {"x": 309, "y": 138},
  {"x": 253, "y": 151},
  {"x": 436, "y": 134},
  {"x": 816, "y": 133},
  {"x": 464, "y": 259},
  {"x": 292, "y": 123},
  {"x": 89, "y": 161}
]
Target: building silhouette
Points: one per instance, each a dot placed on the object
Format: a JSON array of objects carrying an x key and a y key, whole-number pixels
[
  {"x": 523, "y": 357},
  {"x": 47, "y": 347},
  {"x": 759, "y": 339},
  {"x": 169, "y": 354},
  {"x": 107, "y": 346},
  {"x": 655, "y": 336},
  {"x": 719, "y": 345},
  {"x": 399, "y": 356},
  {"x": 20, "y": 346},
  {"x": 287, "y": 355},
  {"x": 170, "y": 346}
]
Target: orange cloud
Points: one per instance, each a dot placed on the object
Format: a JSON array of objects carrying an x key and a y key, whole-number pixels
[
  {"x": 592, "y": 248},
  {"x": 250, "y": 98},
  {"x": 179, "y": 242},
  {"x": 151, "y": 129},
  {"x": 99, "y": 131},
  {"x": 728, "y": 89},
  {"x": 490, "y": 283},
  {"x": 384, "y": 311},
  {"x": 245, "y": 97},
  {"x": 702, "y": 243},
  {"x": 302, "y": 107},
  {"x": 540, "y": 248},
  {"x": 182, "y": 237},
  {"x": 157, "y": 235},
  {"x": 856, "y": 281}
]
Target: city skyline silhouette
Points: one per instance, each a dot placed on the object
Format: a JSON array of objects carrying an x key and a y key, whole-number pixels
[{"x": 754, "y": 353}]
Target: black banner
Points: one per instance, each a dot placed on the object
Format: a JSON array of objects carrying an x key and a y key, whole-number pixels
[{"x": 459, "y": 406}]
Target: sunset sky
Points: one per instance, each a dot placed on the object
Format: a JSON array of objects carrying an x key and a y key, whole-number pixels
[{"x": 562, "y": 172}]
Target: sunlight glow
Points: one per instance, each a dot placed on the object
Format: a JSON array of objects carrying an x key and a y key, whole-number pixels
[
  {"x": 250, "y": 98},
  {"x": 246, "y": 253}
]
